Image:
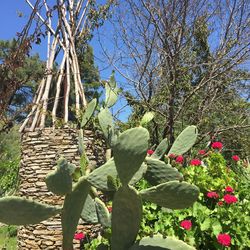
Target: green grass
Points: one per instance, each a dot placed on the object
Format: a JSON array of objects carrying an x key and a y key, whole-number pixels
[{"x": 8, "y": 239}]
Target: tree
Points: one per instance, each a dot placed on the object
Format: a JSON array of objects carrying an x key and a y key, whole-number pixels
[
  {"x": 18, "y": 82},
  {"x": 186, "y": 62}
]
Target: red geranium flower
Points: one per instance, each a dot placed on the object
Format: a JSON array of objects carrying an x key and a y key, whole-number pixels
[
  {"x": 202, "y": 152},
  {"x": 217, "y": 145},
  {"x": 172, "y": 156},
  {"x": 110, "y": 209},
  {"x": 229, "y": 199},
  {"x": 150, "y": 151},
  {"x": 220, "y": 203},
  {"x": 186, "y": 224},
  {"x": 229, "y": 189},
  {"x": 224, "y": 239},
  {"x": 179, "y": 159},
  {"x": 79, "y": 236},
  {"x": 212, "y": 195},
  {"x": 195, "y": 162},
  {"x": 235, "y": 157}
]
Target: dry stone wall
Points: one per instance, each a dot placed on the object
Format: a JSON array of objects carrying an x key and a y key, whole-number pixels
[{"x": 40, "y": 151}]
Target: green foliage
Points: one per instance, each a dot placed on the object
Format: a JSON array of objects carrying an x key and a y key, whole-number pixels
[
  {"x": 89, "y": 72},
  {"x": 208, "y": 217},
  {"x": 18, "y": 78},
  {"x": 9, "y": 160}
]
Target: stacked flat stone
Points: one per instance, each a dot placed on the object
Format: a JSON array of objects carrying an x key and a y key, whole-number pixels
[{"x": 40, "y": 151}]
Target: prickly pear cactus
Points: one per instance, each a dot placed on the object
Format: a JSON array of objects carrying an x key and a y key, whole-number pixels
[
  {"x": 128, "y": 165},
  {"x": 157, "y": 242},
  {"x": 20, "y": 211},
  {"x": 60, "y": 181}
]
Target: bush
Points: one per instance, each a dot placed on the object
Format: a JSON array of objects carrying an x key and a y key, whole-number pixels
[{"x": 220, "y": 218}]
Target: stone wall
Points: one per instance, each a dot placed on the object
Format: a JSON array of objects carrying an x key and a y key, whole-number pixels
[{"x": 40, "y": 151}]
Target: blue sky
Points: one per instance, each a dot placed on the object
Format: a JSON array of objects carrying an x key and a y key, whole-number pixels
[{"x": 11, "y": 23}]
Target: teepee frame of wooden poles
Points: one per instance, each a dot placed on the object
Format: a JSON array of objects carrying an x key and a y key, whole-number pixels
[{"x": 70, "y": 18}]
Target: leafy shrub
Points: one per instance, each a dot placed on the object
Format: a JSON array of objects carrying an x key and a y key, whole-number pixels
[{"x": 220, "y": 218}]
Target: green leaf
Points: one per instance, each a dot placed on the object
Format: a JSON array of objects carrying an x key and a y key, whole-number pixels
[
  {"x": 20, "y": 211},
  {"x": 184, "y": 141},
  {"x": 129, "y": 152},
  {"x": 216, "y": 227},
  {"x": 205, "y": 224}
]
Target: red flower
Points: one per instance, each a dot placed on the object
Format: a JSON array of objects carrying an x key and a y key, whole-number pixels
[
  {"x": 224, "y": 239},
  {"x": 186, "y": 224},
  {"x": 172, "y": 156},
  {"x": 179, "y": 159},
  {"x": 220, "y": 203},
  {"x": 217, "y": 145},
  {"x": 235, "y": 157},
  {"x": 229, "y": 189},
  {"x": 229, "y": 199},
  {"x": 202, "y": 152},
  {"x": 110, "y": 209},
  {"x": 79, "y": 236},
  {"x": 195, "y": 162},
  {"x": 150, "y": 151},
  {"x": 212, "y": 195}
]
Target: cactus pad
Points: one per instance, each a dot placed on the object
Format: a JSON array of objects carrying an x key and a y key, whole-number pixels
[
  {"x": 111, "y": 95},
  {"x": 89, "y": 213},
  {"x": 103, "y": 213},
  {"x": 184, "y": 141},
  {"x": 161, "y": 149},
  {"x": 157, "y": 242},
  {"x": 20, "y": 211},
  {"x": 126, "y": 218},
  {"x": 129, "y": 152},
  {"x": 88, "y": 112},
  {"x": 99, "y": 177},
  {"x": 148, "y": 117},
  {"x": 59, "y": 181},
  {"x": 106, "y": 122},
  {"x": 159, "y": 172},
  {"x": 72, "y": 208},
  {"x": 172, "y": 194}
]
